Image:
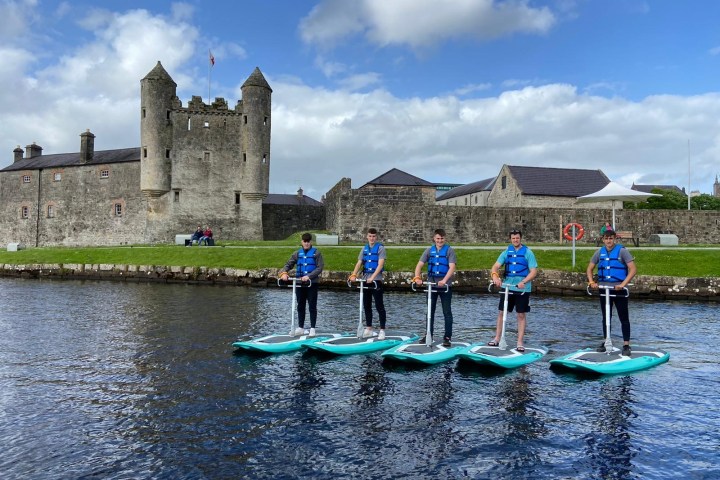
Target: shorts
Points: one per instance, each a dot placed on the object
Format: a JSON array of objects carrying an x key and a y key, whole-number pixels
[{"x": 520, "y": 303}]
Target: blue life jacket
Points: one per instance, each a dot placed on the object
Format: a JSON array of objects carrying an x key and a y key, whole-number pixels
[
  {"x": 516, "y": 264},
  {"x": 305, "y": 262},
  {"x": 610, "y": 267},
  {"x": 371, "y": 258},
  {"x": 438, "y": 265}
]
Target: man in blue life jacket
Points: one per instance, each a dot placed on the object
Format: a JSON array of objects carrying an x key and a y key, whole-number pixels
[
  {"x": 372, "y": 260},
  {"x": 616, "y": 267},
  {"x": 520, "y": 269},
  {"x": 309, "y": 265},
  {"x": 441, "y": 261}
]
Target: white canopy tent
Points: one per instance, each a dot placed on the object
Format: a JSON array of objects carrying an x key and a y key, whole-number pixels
[{"x": 616, "y": 193}]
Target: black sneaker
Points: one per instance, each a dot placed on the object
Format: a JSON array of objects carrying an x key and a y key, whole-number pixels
[
  {"x": 601, "y": 348},
  {"x": 626, "y": 351},
  {"x": 446, "y": 342},
  {"x": 422, "y": 340}
]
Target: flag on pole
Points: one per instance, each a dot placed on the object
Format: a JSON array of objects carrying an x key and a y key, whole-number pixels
[{"x": 212, "y": 59}]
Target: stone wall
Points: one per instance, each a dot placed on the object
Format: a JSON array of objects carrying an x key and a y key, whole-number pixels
[
  {"x": 350, "y": 212},
  {"x": 281, "y": 221}
]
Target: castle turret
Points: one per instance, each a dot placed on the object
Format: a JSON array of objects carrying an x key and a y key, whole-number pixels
[
  {"x": 87, "y": 146},
  {"x": 157, "y": 93},
  {"x": 256, "y": 97},
  {"x": 716, "y": 187}
]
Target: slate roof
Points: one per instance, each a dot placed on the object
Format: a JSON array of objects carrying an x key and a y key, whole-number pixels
[
  {"x": 73, "y": 159},
  {"x": 256, "y": 79},
  {"x": 481, "y": 186},
  {"x": 558, "y": 182},
  {"x": 397, "y": 177},
  {"x": 649, "y": 188},
  {"x": 289, "y": 199}
]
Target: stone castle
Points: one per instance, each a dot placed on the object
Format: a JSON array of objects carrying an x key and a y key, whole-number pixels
[{"x": 200, "y": 164}]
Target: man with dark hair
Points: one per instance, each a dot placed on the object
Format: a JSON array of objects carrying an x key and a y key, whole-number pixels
[
  {"x": 616, "y": 268},
  {"x": 309, "y": 265},
  {"x": 372, "y": 259},
  {"x": 520, "y": 269},
  {"x": 196, "y": 236},
  {"x": 441, "y": 261}
]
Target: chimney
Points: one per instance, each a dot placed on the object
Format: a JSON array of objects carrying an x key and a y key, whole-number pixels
[
  {"x": 18, "y": 154},
  {"x": 32, "y": 151},
  {"x": 300, "y": 193},
  {"x": 87, "y": 146}
]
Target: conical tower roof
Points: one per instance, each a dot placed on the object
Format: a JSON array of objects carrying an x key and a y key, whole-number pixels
[
  {"x": 159, "y": 73},
  {"x": 256, "y": 79}
]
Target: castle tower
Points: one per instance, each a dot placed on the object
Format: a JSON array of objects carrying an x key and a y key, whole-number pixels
[
  {"x": 716, "y": 187},
  {"x": 255, "y": 134},
  {"x": 157, "y": 93}
]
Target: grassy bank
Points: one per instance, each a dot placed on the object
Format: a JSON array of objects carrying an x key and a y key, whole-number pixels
[{"x": 669, "y": 261}]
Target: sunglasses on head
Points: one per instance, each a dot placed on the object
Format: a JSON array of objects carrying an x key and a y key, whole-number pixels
[{"x": 515, "y": 232}]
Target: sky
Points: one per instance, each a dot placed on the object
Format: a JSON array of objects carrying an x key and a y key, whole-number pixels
[{"x": 446, "y": 90}]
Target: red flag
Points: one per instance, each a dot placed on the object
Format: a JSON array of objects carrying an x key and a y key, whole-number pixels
[{"x": 212, "y": 59}]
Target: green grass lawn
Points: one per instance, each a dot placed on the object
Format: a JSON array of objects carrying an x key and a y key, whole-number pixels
[{"x": 258, "y": 255}]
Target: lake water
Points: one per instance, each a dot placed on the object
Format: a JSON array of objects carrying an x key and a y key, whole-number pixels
[{"x": 122, "y": 380}]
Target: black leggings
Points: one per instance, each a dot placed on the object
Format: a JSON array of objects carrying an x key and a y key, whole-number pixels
[
  {"x": 621, "y": 305},
  {"x": 310, "y": 295}
]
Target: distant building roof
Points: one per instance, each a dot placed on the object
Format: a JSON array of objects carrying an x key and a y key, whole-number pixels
[
  {"x": 290, "y": 199},
  {"x": 397, "y": 177},
  {"x": 558, "y": 182},
  {"x": 73, "y": 159},
  {"x": 650, "y": 188},
  {"x": 481, "y": 186}
]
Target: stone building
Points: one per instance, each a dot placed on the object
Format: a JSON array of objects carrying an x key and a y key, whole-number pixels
[
  {"x": 199, "y": 163},
  {"x": 473, "y": 194}
]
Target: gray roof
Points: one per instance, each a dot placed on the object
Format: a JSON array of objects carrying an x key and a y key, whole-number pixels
[
  {"x": 650, "y": 188},
  {"x": 289, "y": 199},
  {"x": 73, "y": 159},
  {"x": 558, "y": 182},
  {"x": 397, "y": 177},
  {"x": 256, "y": 79},
  {"x": 481, "y": 186}
]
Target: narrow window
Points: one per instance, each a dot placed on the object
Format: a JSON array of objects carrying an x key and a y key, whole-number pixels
[
  {"x": 26, "y": 178},
  {"x": 189, "y": 123},
  {"x": 24, "y": 212},
  {"x": 57, "y": 176},
  {"x": 143, "y": 113},
  {"x": 465, "y": 200},
  {"x": 245, "y": 119},
  {"x": 167, "y": 153},
  {"x": 206, "y": 156},
  {"x": 264, "y": 158},
  {"x": 177, "y": 196},
  {"x": 237, "y": 199},
  {"x": 118, "y": 210},
  {"x": 104, "y": 173},
  {"x": 265, "y": 121},
  {"x": 504, "y": 182},
  {"x": 51, "y": 211},
  {"x": 167, "y": 114},
  {"x": 244, "y": 159},
  {"x": 144, "y": 152},
  {"x": 206, "y": 124}
]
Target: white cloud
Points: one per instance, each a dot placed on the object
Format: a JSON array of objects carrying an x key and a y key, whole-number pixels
[{"x": 422, "y": 23}]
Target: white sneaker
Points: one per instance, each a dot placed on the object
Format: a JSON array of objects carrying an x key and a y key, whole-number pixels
[
  {"x": 299, "y": 331},
  {"x": 312, "y": 332},
  {"x": 381, "y": 336},
  {"x": 368, "y": 332}
]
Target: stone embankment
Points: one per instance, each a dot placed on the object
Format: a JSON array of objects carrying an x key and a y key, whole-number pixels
[{"x": 550, "y": 282}]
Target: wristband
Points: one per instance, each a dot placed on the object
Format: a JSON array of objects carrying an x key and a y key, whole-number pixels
[
  {"x": 494, "y": 274},
  {"x": 416, "y": 278}
]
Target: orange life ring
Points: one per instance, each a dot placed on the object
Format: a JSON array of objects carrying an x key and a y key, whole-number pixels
[{"x": 579, "y": 231}]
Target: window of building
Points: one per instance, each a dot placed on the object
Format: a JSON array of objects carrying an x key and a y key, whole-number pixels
[
  {"x": 167, "y": 153},
  {"x": 51, "y": 211},
  {"x": 26, "y": 178},
  {"x": 237, "y": 198},
  {"x": 265, "y": 121},
  {"x": 118, "y": 210},
  {"x": 24, "y": 212},
  {"x": 167, "y": 114},
  {"x": 143, "y": 113},
  {"x": 57, "y": 176},
  {"x": 206, "y": 156},
  {"x": 206, "y": 124},
  {"x": 177, "y": 196},
  {"x": 465, "y": 200},
  {"x": 189, "y": 123},
  {"x": 144, "y": 152},
  {"x": 104, "y": 173},
  {"x": 264, "y": 160},
  {"x": 504, "y": 182},
  {"x": 245, "y": 119},
  {"x": 244, "y": 159}
]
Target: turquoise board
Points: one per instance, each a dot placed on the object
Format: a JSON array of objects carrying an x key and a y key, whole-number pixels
[
  {"x": 351, "y": 344},
  {"x": 483, "y": 354},
  {"x": 281, "y": 343},
  {"x": 590, "y": 361},
  {"x": 419, "y": 353}
]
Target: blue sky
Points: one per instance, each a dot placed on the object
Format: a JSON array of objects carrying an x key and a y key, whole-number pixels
[{"x": 448, "y": 90}]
